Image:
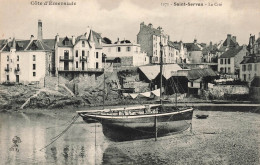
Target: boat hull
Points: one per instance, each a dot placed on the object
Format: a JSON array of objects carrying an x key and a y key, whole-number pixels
[{"x": 126, "y": 128}]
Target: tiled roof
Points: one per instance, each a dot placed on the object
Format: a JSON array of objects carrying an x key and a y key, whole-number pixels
[
  {"x": 38, "y": 45},
  {"x": 195, "y": 74},
  {"x": 231, "y": 52},
  {"x": 174, "y": 44},
  {"x": 65, "y": 42},
  {"x": 252, "y": 58},
  {"x": 49, "y": 42},
  {"x": 96, "y": 37},
  {"x": 192, "y": 47},
  {"x": 231, "y": 44}
]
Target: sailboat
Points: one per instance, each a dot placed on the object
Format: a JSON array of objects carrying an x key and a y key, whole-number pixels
[{"x": 141, "y": 122}]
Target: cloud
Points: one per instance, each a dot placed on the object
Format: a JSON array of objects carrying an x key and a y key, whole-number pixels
[{"x": 121, "y": 18}]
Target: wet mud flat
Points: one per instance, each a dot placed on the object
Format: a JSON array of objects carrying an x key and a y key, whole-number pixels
[{"x": 222, "y": 138}]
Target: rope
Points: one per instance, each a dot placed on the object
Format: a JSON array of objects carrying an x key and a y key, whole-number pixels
[{"x": 63, "y": 132}]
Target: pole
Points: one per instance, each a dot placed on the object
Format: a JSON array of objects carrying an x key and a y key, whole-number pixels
[
  {"x": 104, "y": 87},
  {"x": 155, "y": 127},
  {"x": 161, "y": 65}
]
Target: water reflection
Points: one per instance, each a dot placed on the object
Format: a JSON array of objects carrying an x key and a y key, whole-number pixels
[{"x": 23, "y": 135}]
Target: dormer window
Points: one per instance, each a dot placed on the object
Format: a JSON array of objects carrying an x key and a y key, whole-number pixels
[
  {"x": 83, "y": 43},
  {"x": 66, "y": 42}
]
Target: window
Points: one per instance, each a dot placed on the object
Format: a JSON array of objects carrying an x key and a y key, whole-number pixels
[
  {"x": 7, "y": 77},
  {"x": 17, "y": 58},
  {"x": 96, "y": 64},
  {"x": 249, "y": 67},
  {"x": 83, "y": 43},
  {"x": 221, "y": 61},
  {"x": 7, "y": 66},
  {"x": 244, "y": 75},
  {"x": 249, "y": 76},
  {"x": 191, "y": 84},
  {"x": 34, "y": 58},
  {"x": 34, "y": 66},
  {"x": 7, "y": 58},
  {"x": 34, "y": 74},
  {"x": 128, "y": 49},
  {"x": 225, "y": 70},
  {"x": 229, "y": 70},
  {"x": 67, "y": 42},
  {"x": 225, "y": 61},
  {"x": 118, "y": 49},
  {"x": 18, "y": 66},
  {"x": 243, "y": 67},
  {"x": 77, "y": 64},
  {"x": 83, "y": 53},
  {"x": 96, "y": 54},
  {"x": 88, "y": 53},
  {"x": 229, "y": 61},
  {"x": 77, "y": 53},
  {"x": 255, "y": 67}
]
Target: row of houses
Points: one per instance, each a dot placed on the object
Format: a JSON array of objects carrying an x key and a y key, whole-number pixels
[{"x": 30, "y": 61}]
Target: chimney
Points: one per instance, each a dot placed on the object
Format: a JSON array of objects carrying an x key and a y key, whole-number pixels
[
  {"x": 57, "y": 38},
  {"x": 150, "y": 25},
  {"x": 39, "y": 30},
  {"x": 73, "y": 40},
  {"x": 228, "y": 39},
  {"x": 141, "y": 25},
  {"x": 195, "y": 41},
  {"x": 168, "y": 38},
  {"x": 32, "y": 37},
  {"x": 234, "y": 38}
]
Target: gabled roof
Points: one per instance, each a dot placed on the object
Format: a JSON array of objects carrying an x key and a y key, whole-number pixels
[
  {"x": 152, "y": 71},
  {"x": 192, "y": 47},
  {"x": 252, "y": 58},
  {"x": 195, "y": 74},
  {"x": 174, "y": 45},
  {"x": 96, "y": 37},
  {"x": 38, "y": 45},
  {"x": 232, "y": 52},
  {"x": 65, "y": 42}
]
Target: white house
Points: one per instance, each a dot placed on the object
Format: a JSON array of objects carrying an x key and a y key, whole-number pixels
[{"x": 129, "y": 53}]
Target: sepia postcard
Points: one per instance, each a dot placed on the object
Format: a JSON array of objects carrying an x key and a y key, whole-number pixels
[{"x": 107, "y": 82}]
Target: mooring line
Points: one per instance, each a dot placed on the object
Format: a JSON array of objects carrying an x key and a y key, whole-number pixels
[{"x": 64, "y": 131}]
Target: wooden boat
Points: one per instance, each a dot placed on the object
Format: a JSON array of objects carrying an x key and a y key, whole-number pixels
[
  {"x": 132, "y": 123},
  {"x": 141, "y": 122}
]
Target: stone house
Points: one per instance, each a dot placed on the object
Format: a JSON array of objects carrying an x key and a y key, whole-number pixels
[
  {"x": 229, "y": 61},
  {"x": 79, "y": 55},
  {"x": 26, "y": 61},
  {"x": 149, "y": 39},
  {"x": 194, "y": 51},
  {"x": 129, "y": 53}
]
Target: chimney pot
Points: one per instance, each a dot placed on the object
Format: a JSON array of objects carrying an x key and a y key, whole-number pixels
[
  {"x": 73, "y": 40},
  {"x": 57, "y": 38},
  {"x": 39, "y": 30}
]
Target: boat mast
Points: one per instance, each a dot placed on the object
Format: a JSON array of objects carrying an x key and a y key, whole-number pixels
[
  {"x": 104, "y": 87},
  {"x": 161, "y": 65}
]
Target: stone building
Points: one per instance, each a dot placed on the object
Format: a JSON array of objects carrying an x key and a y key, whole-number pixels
[
  {"x": 26, "y": 61},
  {"x": 229, "y": 61},
  {"x": 194, "y": 51},
  {"x": 250, "y": 66},
  {"x": 128, "y": 53},
  {"x": 149, "y": 39},
  {"x": 79, "y": 55}
]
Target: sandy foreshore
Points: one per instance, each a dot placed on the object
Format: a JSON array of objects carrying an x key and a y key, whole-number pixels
[{"x": 222, "y": 138}]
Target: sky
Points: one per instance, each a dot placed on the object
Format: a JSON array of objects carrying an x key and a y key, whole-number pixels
[{"x": 121, "y": 19}]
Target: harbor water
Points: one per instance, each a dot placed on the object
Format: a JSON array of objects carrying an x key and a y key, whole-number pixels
[{"x": 222, "y": 138}]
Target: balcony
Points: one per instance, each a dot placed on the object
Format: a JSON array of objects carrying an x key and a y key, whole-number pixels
[
  {"x": 70, "y": 58},
  {"x": 83, "y": 59},
  {"x": 85, "y": 70},
  {"x": 7, "y": 69}
]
